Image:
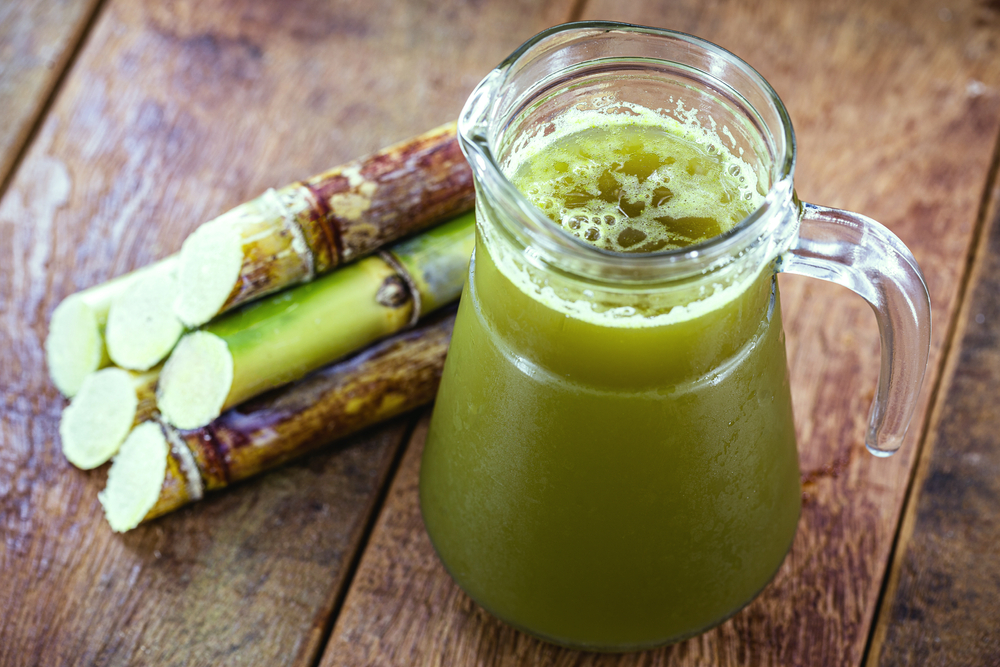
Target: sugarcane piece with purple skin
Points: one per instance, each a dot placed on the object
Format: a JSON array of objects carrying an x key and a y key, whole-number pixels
[
  {"x": 291, "y": 235},
  {"x": 282, "y": 337},
  {"x": 160, "y": 468}
]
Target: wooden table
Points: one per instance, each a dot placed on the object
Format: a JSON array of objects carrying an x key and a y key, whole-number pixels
[{"x": 125, "y": 123}]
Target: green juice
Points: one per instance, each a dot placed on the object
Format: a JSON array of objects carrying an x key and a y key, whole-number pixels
[{"x": 607, "y": 477}]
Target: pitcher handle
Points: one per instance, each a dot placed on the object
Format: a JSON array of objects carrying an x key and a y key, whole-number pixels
[{"x": 855, "y": 251}]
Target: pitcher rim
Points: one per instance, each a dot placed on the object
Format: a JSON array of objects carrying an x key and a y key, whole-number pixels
[{"x": 713, "y": 252}]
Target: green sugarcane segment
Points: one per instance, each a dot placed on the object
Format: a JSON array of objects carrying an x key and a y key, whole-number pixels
[
  {"x": 284, "y": 338},
  {"x": 280, "y": 338},
  {"x": 437, "y": 261},
  {"x": 75, "y": 346}
]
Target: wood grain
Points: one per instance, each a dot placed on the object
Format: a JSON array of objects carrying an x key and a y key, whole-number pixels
[
  {"x": 37, "y": 40},
  {"x": 943, "y": 600},
  {"x": 245, "y": 576},
  {"x": 174, "y": 112},
  {"x": 897, "y": 108}
]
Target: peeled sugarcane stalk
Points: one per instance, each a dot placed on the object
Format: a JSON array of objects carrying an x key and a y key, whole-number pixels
[
  {"x": 109, "y": 404},
  {"x": 142, "y": 326},
  {"x": 279, "y": 339},
  {"x": 160, "y": 469},
  {"x": 291, "y": 235},
  {"x": 75, "y": 345}
]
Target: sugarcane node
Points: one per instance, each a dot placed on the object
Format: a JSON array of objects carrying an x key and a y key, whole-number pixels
[
  {"x": 180, "y": 451},
  {"x": 210, "y": 454},
  {"x": 182, "y": 482},
  {"x": 393, "y": 293},
  {"x": 328, "y": 225},
  {"x": 266, "y": 269},
  {"x": 211, "y": 260}
]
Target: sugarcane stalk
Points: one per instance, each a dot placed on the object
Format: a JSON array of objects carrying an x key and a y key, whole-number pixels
[
  {"x": 108, "y": 405},
  {"x": 142, "y": 327},
  {"x": 149, "y": 476},
  {"x": 75, "y": 346},
  {"x": 306, "y": 229},
  {"x": 385, "y": 380},
  {"x": 281, "y": 338}
]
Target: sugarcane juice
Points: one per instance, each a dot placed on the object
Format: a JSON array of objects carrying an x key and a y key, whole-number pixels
[{"x": 609, "y": 476}]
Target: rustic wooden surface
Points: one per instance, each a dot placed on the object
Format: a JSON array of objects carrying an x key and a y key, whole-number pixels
[
  {"x": 897, "y": 109},
  {"x": 174, "y": 111},
  {"x": 942, "y": 605},
  {"x": 37, "y": 40}
]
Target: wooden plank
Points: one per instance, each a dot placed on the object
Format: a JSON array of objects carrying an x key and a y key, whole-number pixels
[
  {"x": 173, "y": 113},
  {"x": 896, "y": 107},
  {"x": 37, "y": 41},
  {"x": 943, "y": 599},
  {"x": 248, "y": 575}
]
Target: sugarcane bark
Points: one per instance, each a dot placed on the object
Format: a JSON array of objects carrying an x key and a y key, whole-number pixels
[
  {"x": 350, "y": 211},
  {"x": 182, "y": 483},
  {"x": 399, "y": 374},
  {"x": 372, "y": 201}
]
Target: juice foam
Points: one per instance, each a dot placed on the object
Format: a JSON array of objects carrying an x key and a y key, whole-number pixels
[
  {"x": 633, "y": 180},
  {"x": 637, "y": 187}
]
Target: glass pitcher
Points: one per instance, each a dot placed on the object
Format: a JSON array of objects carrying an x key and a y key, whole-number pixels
[{"x": 611, "y": 462}]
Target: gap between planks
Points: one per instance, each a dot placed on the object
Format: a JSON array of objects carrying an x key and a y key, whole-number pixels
[
  {"x": 577, "y": 11},
  {"x": 362, "y": 545},
  {"x": 67, "y": 60},
  {"x": 987, "y": 212}
]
